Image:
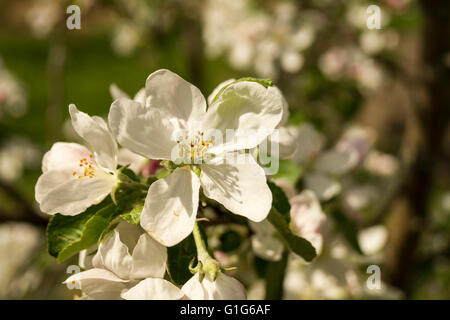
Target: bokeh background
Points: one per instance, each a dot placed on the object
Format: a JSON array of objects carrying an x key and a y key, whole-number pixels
[{"x": 383, "y": 92}]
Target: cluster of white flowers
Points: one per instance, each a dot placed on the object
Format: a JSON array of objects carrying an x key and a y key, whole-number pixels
[
  {"x": 257, "y": 38},
  {"x": 171, "y": 121}
]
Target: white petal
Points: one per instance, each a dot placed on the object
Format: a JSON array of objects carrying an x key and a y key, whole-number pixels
[
  {"x": 149, "y": 259},
  {"x": 62, "y": 154},
  {"x": 307, "y": 218},
  {"x": 322, "y": 185},
  {"x": 194, "y": 290},
  {"x": 85, "y": 257},
  {"x": 96, "y": 133},
  {"x": 116, "y": 92},
  {"x": 249, "y": 109},
  {"x": 135, "y": 161},
  {"x": 217, "y": 90},
  {"x": 153, "y": 289},
  {"x": 57, "y": 191},
  {"x": 169, "y": 92},
  {"x": 114, "y": 256},
  {"x": 265, "y": 243},
  {"x": 50, "y": 180},
  {"x": 140, "y": 96},
  {"x": 99, "y": 283},
  {"x": 228, "y": 288},
  {"x": 240, "y": 185},
  {"x": 171, "y": 207},
  {"x": 223, "y": 288},
  {"x": 285, "y": 116},
  {"x": 143, "y": 130}
]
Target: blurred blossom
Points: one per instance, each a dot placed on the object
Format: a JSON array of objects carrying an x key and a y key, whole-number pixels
[
  {"x": 16, "y": 155},
  {"x": 308, "y": 219},
  {"x": 18, "y": 242},
  {"x": 351, "y": 63},
  {"x": 126, "y": 38},
  {"x": 324, "y": 186},
  {"x": 324, "y": 278},
  {"x": 373, "y": 239},
  {"x": 43, "y": 16},
  {"x": 374, "y": 41},
  {"x": 382, "y": 164},
  {"x": 356, "y": 142},
  {"x": 360, "y": 197},
  {"x": 266, "y": 244},
  {"x": 258, "y": 38},
  {"x": 310, "y": 142},
  {"x": 13, "y": 99}
]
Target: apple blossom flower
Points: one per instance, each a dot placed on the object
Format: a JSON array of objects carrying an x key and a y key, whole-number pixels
[
  {"x": 175, "y": 126},
  {"x": 74, "y": 178},
  {"x": 129, "y": 264},
  {"x": 307, "y": 221},
  {"x": 223, "y": 288},
  {"x": 284, "y": 138}
]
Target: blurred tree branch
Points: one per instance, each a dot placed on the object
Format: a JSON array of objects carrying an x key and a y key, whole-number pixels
[
  {"x": 26, "y": 213},
  {"x": 409, "y": 219}
]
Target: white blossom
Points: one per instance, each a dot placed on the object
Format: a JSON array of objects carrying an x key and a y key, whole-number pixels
[
  {"x": 74, "y": 178},
  {"x": 174, "y": 125}
]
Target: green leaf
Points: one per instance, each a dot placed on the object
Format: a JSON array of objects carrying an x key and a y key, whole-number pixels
[
  {"x": 68, "y": 235},
  {"x": 280, "y": 201},
  {"x": 299, "y": 245},
  {"x": 162, "y": 174},
  {"x": 128, "y": 173},
  {"x": 264, "y": 82},
  {"x": 179, "y": 258},
  {"x": 134, "y": 216}
]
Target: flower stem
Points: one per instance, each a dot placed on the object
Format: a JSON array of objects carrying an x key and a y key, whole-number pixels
[
  {"x": 208, "y": 265},
  {"x": 202, "y": 252}
]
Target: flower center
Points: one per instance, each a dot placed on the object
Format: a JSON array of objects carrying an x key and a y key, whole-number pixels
[
  {"x": 86, "y": 168},
  {"x": 193, "y": 147}
]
